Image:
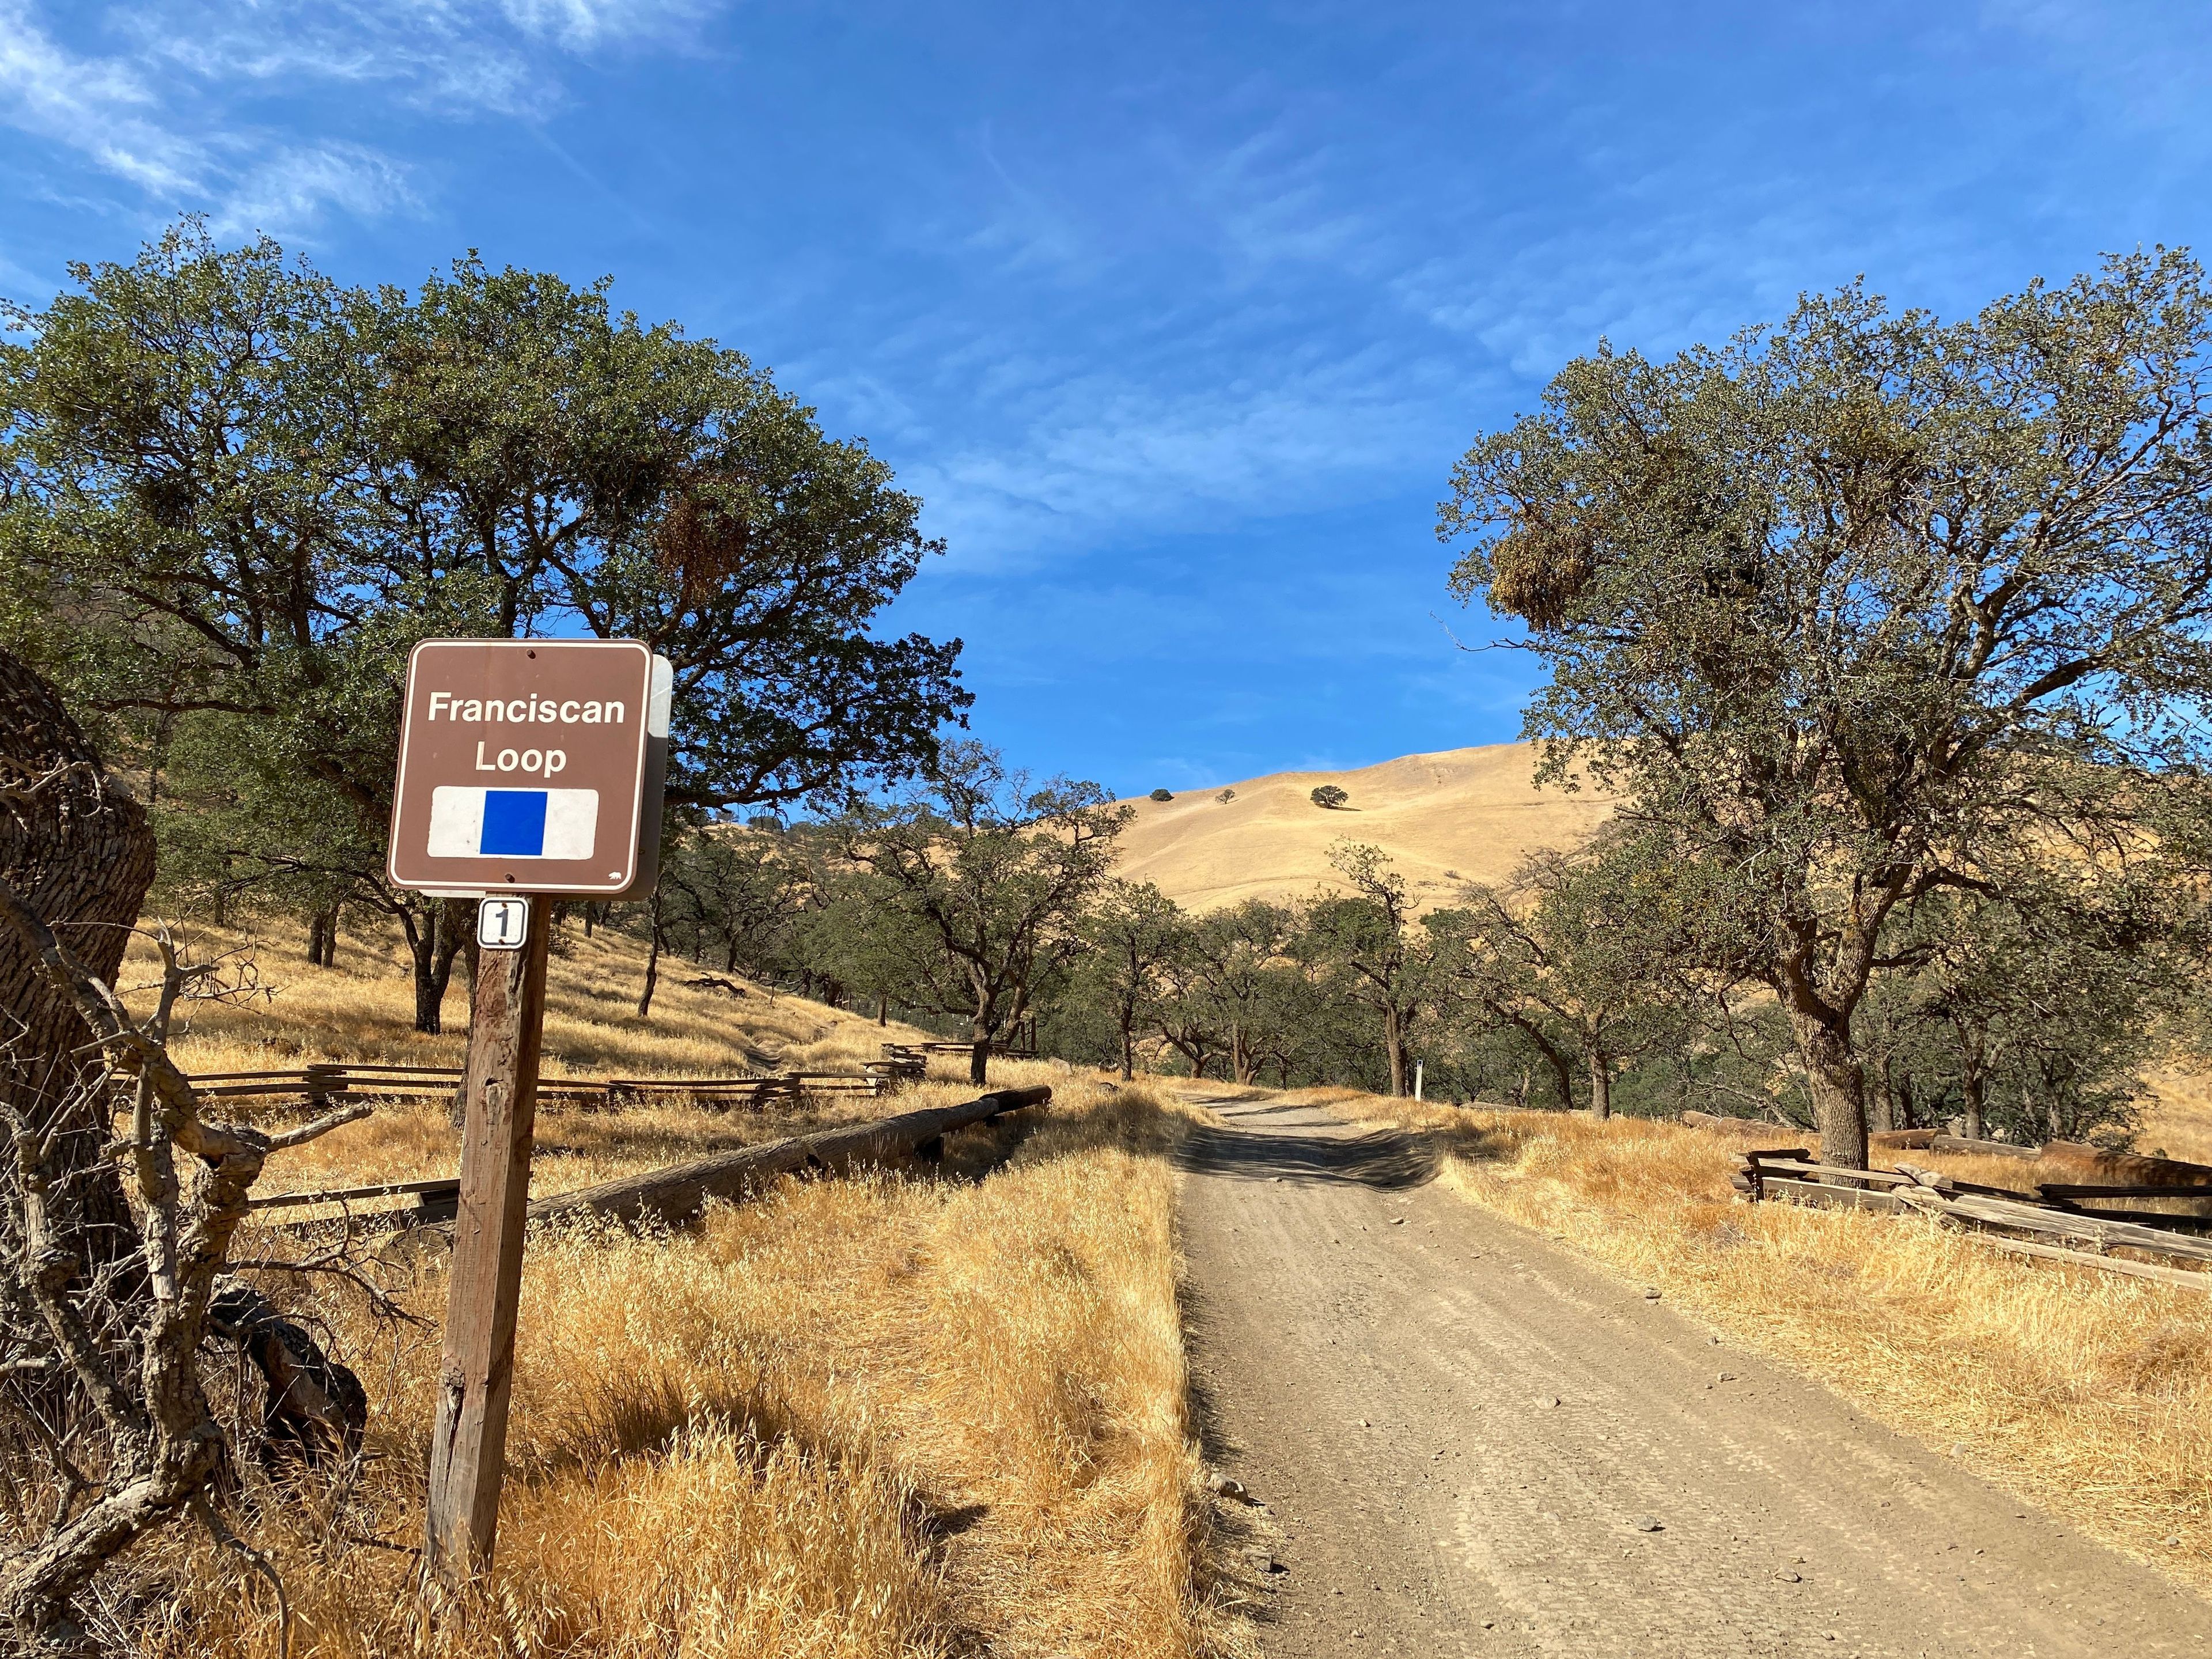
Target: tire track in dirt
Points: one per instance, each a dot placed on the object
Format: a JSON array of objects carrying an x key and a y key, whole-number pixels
[{"x": 1376, "y": 1360}]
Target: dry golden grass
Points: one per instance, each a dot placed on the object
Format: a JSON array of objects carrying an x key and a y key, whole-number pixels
[
  {"x": 2179, "y": 1121},
  {"x": 2088, "y": 1393},
  {"x": 895, "y": 1416},
  {"x": 364, "y": 1010},
  {"x": 1462, "y": 814}
]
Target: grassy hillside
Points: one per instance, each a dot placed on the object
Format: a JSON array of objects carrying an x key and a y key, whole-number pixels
[{"x": 1463, "y": 815}]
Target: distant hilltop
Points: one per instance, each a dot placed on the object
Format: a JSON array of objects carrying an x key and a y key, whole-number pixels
[{"x": 1445, "y": 819}]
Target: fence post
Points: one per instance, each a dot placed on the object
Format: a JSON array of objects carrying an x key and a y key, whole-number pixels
[{"x": 499, "y": 1087}]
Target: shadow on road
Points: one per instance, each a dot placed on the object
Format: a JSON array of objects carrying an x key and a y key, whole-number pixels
[{"x": 1383, "y": 1159}]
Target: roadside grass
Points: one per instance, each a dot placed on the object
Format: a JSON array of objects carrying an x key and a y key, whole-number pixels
[
  {"x": 910, "y": 1415},
  {"x": 2088, "y": 1393}
]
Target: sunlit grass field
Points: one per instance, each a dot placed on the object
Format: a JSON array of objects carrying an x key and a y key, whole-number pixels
[{"x": 910, "y": 1415}]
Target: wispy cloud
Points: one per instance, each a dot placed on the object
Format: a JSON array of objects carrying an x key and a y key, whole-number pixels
[
  {"x": 103, "y": 108},
  {"x": 1101, "y": 455},
  {"x": 294, "y": 187},
  {"x": 168, "y": 100}
]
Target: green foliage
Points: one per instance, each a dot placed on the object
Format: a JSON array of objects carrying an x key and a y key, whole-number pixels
[
  {"x": 1328, "y": 797},
  {"x": 1866, "y": 607},
  {"x": 1366, "y": 949},
  {"x": 1129, "y": 935},
  {"x": 1160, "y": 795},
  {"x": 234, "y": 493},
  {"x": 983, "y": 878},
  {"x": 1581, "y": 956}
]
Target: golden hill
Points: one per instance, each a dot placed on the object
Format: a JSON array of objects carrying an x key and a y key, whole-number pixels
[{"x": 1463, "y": 815}]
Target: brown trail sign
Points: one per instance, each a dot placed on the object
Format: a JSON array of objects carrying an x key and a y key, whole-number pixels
[
  {"x": 531, "y": 765},
  {"x": 526, "y": 766}
]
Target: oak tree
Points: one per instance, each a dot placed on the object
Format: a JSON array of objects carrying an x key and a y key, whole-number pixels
[{"x": 1868, "y": 605}]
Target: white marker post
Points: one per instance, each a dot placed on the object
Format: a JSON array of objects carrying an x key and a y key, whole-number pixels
[{"x": 488, "y": 724}]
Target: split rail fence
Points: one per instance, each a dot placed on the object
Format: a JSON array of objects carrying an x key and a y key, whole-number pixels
[
  {"x": 340, "y": 1083},
  {"x": 673, "y": 1195},
  {"x": 2069, "y": 1222}
]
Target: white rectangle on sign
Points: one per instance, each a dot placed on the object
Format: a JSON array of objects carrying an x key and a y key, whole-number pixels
[
  {"x": 502, "y": 923},
  {"x": 469, "y": 823}
]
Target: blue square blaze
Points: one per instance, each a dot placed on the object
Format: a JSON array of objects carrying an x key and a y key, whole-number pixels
[{"x": 514, "y": 823}]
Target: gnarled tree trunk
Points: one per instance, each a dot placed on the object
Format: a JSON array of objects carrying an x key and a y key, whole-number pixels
[{"x": 76, "y": 846}]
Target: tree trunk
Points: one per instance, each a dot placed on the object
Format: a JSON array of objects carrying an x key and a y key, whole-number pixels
[
  {"x": 75, "y": 847},
  {"x": 652, "y": 962},
  {"x": 979, "y": 1055},
  {"x": 1837, "y": 1084},
  {"x": 433, "y": 945},
  {"x": 1881, "y": 1102},
  {"x": 1128, "y": 1052},
  {"x": 1240, "y": 1054},
  {"x": 1974, "y": 1079},
  {"x": 883, "y": 1008},
  {"x": 1600, "y": 1083},
  {"x": 1394, "y": 1040}
]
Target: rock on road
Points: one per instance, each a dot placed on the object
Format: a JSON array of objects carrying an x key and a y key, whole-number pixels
[{"x": 1465, "y": 1434}]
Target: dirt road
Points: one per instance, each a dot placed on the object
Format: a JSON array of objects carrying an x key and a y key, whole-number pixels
[{"x": 1472, "y": 1442}]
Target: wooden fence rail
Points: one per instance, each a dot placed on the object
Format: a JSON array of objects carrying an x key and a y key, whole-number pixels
[
  {"x": 674, "y": 1194},
  {"x": 2050, "y": 1225},
  {"x": 323, "y": 1085}
]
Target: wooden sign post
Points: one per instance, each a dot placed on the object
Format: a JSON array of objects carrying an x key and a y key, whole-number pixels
[
  {"x": 468, "y": 1448},
  {"x": 526, "y": 767}
]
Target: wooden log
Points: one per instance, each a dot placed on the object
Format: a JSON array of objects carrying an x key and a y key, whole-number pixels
[
  {"x": 2194, "y": 1279},
  {"x": 356, "y": 1194},
  {"x": 2127, "y": 1169},
  {"x": 1737, "y": 1126},
  {"x": 2057, "y": 1223},
  {"x": 381, "y": 1069},
  {"x": 674, "y": 1195},
  {"x": 2062, "y": 1190},
  {"x": 1797, "y": 1165},
  {"x": 1901, "y": 1140},
  {"x": 1981, "y": 1148},
  {"x": 1828, "y": 1198}
]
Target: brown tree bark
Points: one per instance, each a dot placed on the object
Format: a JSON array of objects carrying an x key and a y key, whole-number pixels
[
  {"x": 1837, "y": 1082},
  {"x": 75, "y": 847},
  {"x": 1600, "y": 1083},
  {"x": 1394, "y": 1041},
  {"x": 652, "y": 963}
]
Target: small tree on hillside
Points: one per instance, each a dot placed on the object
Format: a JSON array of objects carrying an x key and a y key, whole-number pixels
[
  {"x": 1131, "y": 933},
  {"x": 1865, "y": 606},
  {"x": 1328, "y": 797},
  {"x": 993, "y": 872},
  {"x": 1370, "y": 950},
  {"x": 1236, "y": 955},
  {"x": 1575, "y": 955},
  {"x": 1161, "y": 795}
]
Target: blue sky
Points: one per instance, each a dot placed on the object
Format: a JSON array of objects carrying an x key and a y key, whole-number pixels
[{"x": 1176, "y": 315}]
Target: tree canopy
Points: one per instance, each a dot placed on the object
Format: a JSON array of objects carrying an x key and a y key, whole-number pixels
[
  {"x": 233, "y": 493},
  {"x": 1866, "y": 605}
]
